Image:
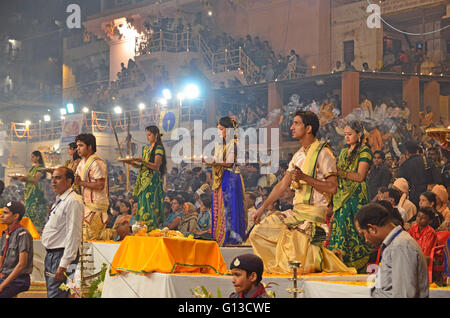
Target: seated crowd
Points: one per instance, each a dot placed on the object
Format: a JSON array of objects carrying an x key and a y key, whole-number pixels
[
  {"x": 188, "y": 199},
  {"x": 415, "y": 193},
  {"x": 245, "y": 115},
  {"x": 384, "y": 119},
  {"x": 269, "y": 65},
  {"x": 100, "y": 94}
]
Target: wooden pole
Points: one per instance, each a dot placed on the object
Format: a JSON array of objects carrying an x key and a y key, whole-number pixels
[{"x": 128, "y": 150}]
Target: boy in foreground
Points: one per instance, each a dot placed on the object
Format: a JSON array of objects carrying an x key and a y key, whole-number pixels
[
  {"x": 247, "y": 272},
  {"x": 16, "y": 258}
]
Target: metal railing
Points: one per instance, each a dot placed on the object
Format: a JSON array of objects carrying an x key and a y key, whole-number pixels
[
  {"x": 164, "y": 41},
  {"x": 93, "y": 122},
  {"x": 231, "y": 60},
  {"x": 218, "y": 62}
]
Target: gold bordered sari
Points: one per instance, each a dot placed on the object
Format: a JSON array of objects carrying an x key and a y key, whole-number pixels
[
  {"x": 351, "y": 196},
  {"x": 227, "y": 213}
]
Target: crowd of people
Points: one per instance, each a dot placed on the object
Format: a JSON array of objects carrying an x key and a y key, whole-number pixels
[
  {"x": 91, "y": 70},
  {"x": 129, "y": 76},
  {"x": 412, "y": 61},
  {"x": 95, "y": 90},
  {"x": 317, "y": 200},
  {"x": 368, "y": 177},
  {"x": 188, "y": 199},
  {"x": 385, "y": 120},
  {"x": 101, "y": 94},
  {"x": 245, "y": 114},
  {"x": 269, "y": 65}
]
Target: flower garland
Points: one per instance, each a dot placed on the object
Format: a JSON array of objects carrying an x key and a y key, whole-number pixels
[
  {"x": 94, "y": 118},
  {"x": 26, "y": 132}
]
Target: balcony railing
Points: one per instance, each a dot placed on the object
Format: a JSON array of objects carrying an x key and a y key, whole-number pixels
[
  {"x": 166, "y": 42},
  {"x": 222, "y": 61},
  {"x": 93, "y": 122}
]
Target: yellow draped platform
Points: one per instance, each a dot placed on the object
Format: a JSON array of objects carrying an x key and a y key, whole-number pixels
[
  {"x": 145, "y": 255},
  {"x": 26, "y": 223}
]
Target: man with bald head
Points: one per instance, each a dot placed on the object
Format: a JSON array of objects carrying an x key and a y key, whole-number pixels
[{"x": 62, "y": 233}]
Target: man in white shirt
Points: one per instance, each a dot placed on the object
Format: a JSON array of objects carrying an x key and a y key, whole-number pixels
[
  {"x": 403, "y": 266},
  {"x": 339, "y": 67},
  {"x": 62, "y": 234}
]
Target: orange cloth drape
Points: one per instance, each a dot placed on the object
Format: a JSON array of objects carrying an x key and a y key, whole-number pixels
[
  {"x": 145, "y": 255},
  {"x": 26, "y": 223}
]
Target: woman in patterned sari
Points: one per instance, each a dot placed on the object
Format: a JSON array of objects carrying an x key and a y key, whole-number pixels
[
  {"x": 353, "y": 164},
  {"x": 35, "y": 203},
  {"x": 228, "y": 215},
  {"x": 149, "y": 184}
]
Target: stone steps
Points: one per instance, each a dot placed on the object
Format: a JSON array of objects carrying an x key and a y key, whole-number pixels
[{"x": 37, "y": 290}]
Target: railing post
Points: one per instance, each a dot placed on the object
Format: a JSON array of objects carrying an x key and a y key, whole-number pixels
[
  {"x": 187, "y": 41},
  {"x": 226, "y": 59},
  {"x": 240, "y": 57},
  {"x": 248, "y": 64},
  {"x": 176, "y": 43}
]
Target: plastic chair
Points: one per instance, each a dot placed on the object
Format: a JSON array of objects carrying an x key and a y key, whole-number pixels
[
  {"x": 440, "y": 254},
  {"x": 442, "y": 237}
]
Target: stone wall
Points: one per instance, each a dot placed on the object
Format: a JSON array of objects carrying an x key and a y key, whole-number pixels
[
  {"x": 349, "y": 23},
  {"x": 299, "y": 25}
]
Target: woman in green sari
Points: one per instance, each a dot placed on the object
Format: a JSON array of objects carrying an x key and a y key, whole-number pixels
[
  {"x": 35, "y": 203},
  {"x": 149, "y": 184},
  {"x": 353, "y": 164}
]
